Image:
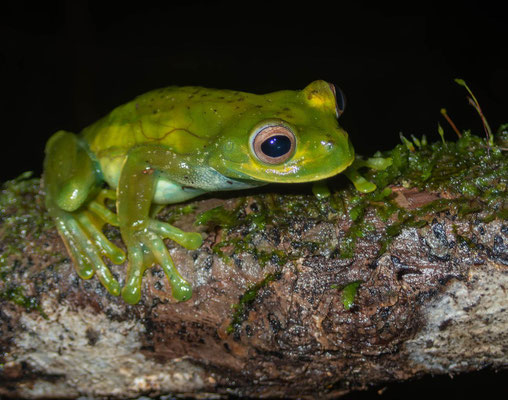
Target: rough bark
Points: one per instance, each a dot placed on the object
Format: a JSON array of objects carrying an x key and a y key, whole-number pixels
[{"x": 434, "y": 302}]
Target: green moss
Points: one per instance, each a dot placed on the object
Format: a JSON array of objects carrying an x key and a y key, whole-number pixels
[
  {"x": 241, "y": 309},
  {"x": 393, "y": 230},
  {"x": 356, "y": 206},
  {"x": 22, "y": 210},
  {"x": 241, "y": 227},
  {"x": 16, "y": 295},
  {"x": 349, "y": 293},
  {"x": 23, "y": 218},
  {"x": 174, "y": 212},
  {"x": 217, "y": 216},
  {"x": 472, "y": 171},
  {"x": 466, "y": 167},
  {"x": 244, "y": 245}
]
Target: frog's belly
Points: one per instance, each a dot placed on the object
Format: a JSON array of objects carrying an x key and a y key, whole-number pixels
[{"x": 166, "y": 191}]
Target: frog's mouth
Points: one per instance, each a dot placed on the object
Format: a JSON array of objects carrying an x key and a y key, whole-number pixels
[
  {"x": 295, "y": 171},
  {"x": 298, "y": 173}
]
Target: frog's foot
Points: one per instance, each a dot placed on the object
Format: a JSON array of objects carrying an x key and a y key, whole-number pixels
[
  {"x": 362, "y": 184},
  {"x": 377, "y": 163},
  {"x": 81, "y": 232},
  {"x": 320, "y": 190},
  {"x": 146, "y": 247}
]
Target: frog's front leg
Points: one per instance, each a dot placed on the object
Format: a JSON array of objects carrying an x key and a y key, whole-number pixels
[
  {"x": 144, "y": 167},
  {"x": 70, "y": 180},
  {"x": 362, "y": 184}
]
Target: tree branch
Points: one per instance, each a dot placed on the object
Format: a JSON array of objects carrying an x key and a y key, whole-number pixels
[{"x": 268, "y": 317}]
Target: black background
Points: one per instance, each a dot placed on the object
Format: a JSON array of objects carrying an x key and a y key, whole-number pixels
[{"x": 65, "y": 64}]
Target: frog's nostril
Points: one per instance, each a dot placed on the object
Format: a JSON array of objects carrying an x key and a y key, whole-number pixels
[{"x": 328, "y": 144}]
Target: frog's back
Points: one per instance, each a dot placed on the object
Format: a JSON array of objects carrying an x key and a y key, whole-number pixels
[{"x": 185, "y": 119}]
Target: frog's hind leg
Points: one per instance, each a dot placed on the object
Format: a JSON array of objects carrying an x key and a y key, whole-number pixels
[
  {"x": 69, "y": 175},
  {"x": 70, "y": 179}
]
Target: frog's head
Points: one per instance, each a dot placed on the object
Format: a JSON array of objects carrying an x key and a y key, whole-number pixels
[{"x": 287, "y": 137}]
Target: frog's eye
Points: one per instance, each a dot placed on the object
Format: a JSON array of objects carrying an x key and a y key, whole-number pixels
[
  {"x": 273, "y": 144},
  {"x": 340, "y": 99}
]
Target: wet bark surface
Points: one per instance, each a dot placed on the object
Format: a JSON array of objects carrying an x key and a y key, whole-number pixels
[{"x": 434, "y": 302}]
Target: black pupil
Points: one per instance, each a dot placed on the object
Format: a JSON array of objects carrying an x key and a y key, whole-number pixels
[{"x": 276, "y": 146}]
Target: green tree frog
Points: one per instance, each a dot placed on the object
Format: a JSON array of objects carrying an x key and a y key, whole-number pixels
[{"x": 170, "y": 145}]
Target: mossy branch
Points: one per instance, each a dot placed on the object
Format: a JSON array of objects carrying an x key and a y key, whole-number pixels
[{"x": 293, "y": 296}]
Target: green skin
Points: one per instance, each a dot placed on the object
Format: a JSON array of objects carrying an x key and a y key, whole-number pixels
[{"x": 168, "y": 146}]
